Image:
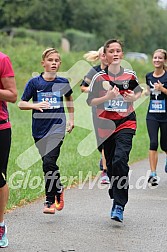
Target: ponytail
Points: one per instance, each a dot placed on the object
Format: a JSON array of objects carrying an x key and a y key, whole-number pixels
[{"x": 93, "y": 55}]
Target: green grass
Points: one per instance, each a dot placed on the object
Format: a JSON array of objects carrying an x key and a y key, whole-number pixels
[
  {"x": 140, "y": 141},
  {"x": 27, "y": 184}
]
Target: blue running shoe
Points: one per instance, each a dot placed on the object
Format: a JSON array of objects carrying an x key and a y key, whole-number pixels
[
  {"x": 3, "y": 238},
  {"x": 117, "y": 213},
  {"x": 166, "y": 167}
]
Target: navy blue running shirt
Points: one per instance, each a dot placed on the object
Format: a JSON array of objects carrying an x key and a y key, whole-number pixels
[
  {"x": 52, "y": 120},
  {"x": 157, "y": 96},
  {"x": 94, "y": 70}
]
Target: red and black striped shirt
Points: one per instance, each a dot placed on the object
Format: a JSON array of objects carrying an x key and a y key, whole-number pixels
[{"x": 122, "y": 114}]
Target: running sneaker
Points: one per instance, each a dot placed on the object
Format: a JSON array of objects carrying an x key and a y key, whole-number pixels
[
  {"x": 112, "y": 209},
  {"x": 101, "y": 164},
  {"x": 59, "y": 200},
  {"x": 153, "y": 181},
  {"x": 117, "y": 213},
  {"x": 49, "y": 208},
  {"x": 3, "y": 238},
  {"x": 166, "y": 167},
  {"x": 104, "y": 178}
]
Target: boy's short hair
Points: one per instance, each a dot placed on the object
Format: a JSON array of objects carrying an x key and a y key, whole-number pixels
[
  {"x": 48, "y": 51},
  {"x": 110, "y": 41}
]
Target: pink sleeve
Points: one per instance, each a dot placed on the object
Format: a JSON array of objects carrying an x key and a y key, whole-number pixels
[{"x": 6, "y": 69}]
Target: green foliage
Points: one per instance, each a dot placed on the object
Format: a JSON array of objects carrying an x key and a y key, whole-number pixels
[
  {"x": 141, "y": 69},
  {"x": 140, "y": 24},
  {"x": 4, "y": 39},
  {"x": 140, "y": 145},
  {"x": 45, "y": 38},
  {"x": 26, "y": 60},
  {"x": 80, "y": 41}
]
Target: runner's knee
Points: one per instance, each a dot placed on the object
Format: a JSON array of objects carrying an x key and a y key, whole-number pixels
[{"x": 153, "y": 146}]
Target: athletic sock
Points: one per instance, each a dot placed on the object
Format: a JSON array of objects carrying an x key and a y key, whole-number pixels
[
  {"x": 153, "y": 174},
  {"x": 2, "y": 224}
]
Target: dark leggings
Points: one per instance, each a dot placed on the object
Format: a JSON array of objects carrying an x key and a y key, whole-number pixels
[
  {"x": 117, "y": 149},
  {"x": 5, "y": 141},
  {"x": 49, "y": 149},
  {"x": 153, "y": 127}
]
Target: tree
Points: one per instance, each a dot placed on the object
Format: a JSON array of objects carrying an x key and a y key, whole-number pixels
[{"x": 140, "y": 24}]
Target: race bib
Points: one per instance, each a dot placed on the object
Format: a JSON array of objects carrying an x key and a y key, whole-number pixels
[
  {"x": 157, "y": 106},
  {"x": 52, "y": 97},
  {"x": 117, "y": 105}
]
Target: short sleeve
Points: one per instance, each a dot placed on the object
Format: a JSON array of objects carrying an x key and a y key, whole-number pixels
[
  {"x": 6, "y": 69},
  {"x": 28, "y": 91}
]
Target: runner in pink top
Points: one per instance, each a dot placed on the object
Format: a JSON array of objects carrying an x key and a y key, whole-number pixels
[{"x": 8, "y": 93}]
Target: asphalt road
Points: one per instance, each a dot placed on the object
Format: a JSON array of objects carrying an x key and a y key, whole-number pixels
[{"x": 84, "y": 225}]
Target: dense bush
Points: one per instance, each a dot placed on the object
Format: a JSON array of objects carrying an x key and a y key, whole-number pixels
[
  {"x": 4, "y": 39},
  {"x": 80, "y": 41},
  {"x": 45, "y": 38},
  {"x": 140, "y": 24}
]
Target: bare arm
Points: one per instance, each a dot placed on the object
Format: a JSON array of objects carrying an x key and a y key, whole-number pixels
[
  {"x": 24, "y": 105},
  {"x": 70, "y": 108},
  {"x": 9, "y": 93},
  {"x": 84, "y": 89},
  {"x": 146, "y": 91}
]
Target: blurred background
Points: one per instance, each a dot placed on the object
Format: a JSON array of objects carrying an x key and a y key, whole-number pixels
[{"x": 81, "y": 25}]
